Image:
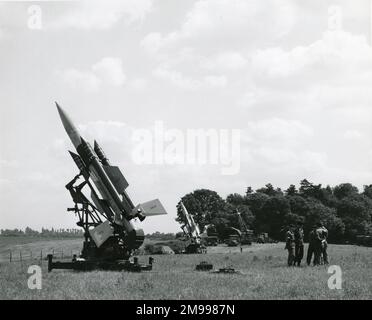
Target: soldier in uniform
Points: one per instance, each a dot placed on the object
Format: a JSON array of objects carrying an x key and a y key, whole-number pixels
[
  {"x": 324, "y": 247},
  {"x": 290, "y": 245},
  {"x": 319, "y": 244},
  {"x": 312, "y": 245},
  {"x": 299, "y": 244}
]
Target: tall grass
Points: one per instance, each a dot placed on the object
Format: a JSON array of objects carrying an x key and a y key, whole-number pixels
[{"x": 264, "y": 275}]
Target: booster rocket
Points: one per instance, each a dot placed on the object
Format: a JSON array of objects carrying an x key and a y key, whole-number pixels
[{"x": 111, "y": 200}]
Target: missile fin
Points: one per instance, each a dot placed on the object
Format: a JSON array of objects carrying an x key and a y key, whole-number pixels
[
  {"x": 151, "y": 208},
  {"x": 117, "y": 178},
  {"x": 101, "y": 233},
  {"x": 102, "y": 206},
  {"x": 78, "y": 161}
]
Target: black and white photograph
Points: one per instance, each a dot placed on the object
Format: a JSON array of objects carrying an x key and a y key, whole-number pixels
[{"x": 203, "y": 152}]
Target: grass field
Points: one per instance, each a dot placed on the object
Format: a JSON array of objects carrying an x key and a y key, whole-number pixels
[{"x": 263, "y": 267}]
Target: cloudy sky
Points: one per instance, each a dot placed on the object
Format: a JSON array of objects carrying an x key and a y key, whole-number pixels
[{"x": 294, "y": 78}]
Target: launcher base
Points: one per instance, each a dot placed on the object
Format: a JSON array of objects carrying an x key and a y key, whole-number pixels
[{"x": 90, "y": 265}]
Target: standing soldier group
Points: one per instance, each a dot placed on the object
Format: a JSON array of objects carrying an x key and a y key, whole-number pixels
[{"x": 317, "y": 245}]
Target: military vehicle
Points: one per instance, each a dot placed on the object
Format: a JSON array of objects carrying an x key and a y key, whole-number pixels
[{"x": 364, "y": 240}]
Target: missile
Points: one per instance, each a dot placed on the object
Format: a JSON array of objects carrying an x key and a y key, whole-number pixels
[
  {"x": 111, "y": 199},
  {"x": 71, "y": 130},
  {"x": 192, "y": 227},
  {"x": 100, "y": 153},
  {"x": 109, "y": 183},
  {"x": 127, "y": 202}
]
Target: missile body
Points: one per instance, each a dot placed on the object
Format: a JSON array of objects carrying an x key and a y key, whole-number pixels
[
  {"x": 95, "y": 165},
  {"x": 127, "y": 202},
  {"x": 191, "y": 226}
]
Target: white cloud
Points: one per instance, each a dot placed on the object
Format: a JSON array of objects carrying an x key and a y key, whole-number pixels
[
  {"x": 280, "y": 158},
  {"x": 182, "y": 81},
  {"x": 330, "y": 76},
  {"x": 102, "y": 14},
  {"x": 228, "y": 60},
  {"x": 215, "y": 81},
  {"x": 294, "y": 161},
  {"x": 353, "y": 135},
  {"x": 8, "y": 163},
  {"x": 336, "y": 54},
  {"x": 111, "y": 135},
  {"x": 218, "y": 21},
  {"x": 276, "y": 130},
  {"x": 152, "y": 42},
  {"x": 108, "y": 71},
  {"x": 176, "y": 78},
  {"x": 138, "y": 84},
  {"x": 80, "y": 79},
  {"x": 275, "y": 146}
]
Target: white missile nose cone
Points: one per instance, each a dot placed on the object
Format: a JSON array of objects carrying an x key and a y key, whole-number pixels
[
  {"x": 60, "y": 110},
  {"x": 69, "y": 126},
  {"x": 65, "y": 120}
]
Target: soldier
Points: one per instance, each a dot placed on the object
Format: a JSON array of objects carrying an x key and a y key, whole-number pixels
[
  {"x": 299, "y": 244},
  {"x": 319, "y": 243},
  {"x": 290, "y": 245},
  {"x": 324, "y": 252},
  {"x": 312, "y": 244}
]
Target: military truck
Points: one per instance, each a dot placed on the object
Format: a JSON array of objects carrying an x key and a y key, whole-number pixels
[
  {"x": 233, "y": 240},
  {"x": 246, "y": 237},
  {"x": 211, "y": 241},
  {"x": 264, "y": 238},
  {"x": 364, "y": 240}
]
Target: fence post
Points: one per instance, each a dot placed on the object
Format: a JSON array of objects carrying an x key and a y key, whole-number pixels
[
  {"x": 62, "y": 255},
  {"x": 31, "y": 254},
  {"x": 20, "y": 256},
  {"x": 10, "y": 255},
  {"x": 41, "y": 256}
]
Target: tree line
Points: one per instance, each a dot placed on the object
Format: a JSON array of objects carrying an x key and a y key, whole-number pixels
[
  {"x": 344, "y": 210},
  {"x": 47, "y": 233}
]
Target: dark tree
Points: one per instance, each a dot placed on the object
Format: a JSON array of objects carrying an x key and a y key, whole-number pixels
[
  {"x": 203, "y": 205},
  {"x": 270, "y": 191},
  {"x": 256, "y": 201},
  {"x": 291, "y": 191},
  {"x": 368, "y": 191},
  {"x": 345, "y": 190},
  {"x": 235, "y": 199},
  {"x": 272, "y": 217},
  {"x": 355, "y": 211}
]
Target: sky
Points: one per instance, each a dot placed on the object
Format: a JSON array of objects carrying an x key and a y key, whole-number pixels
[{"x": 293, "y": 79}]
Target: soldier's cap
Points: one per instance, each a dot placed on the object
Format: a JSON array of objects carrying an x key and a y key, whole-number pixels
[
  {"x": 291, "y": 225},
  {"x": 319, "y": 224}
]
